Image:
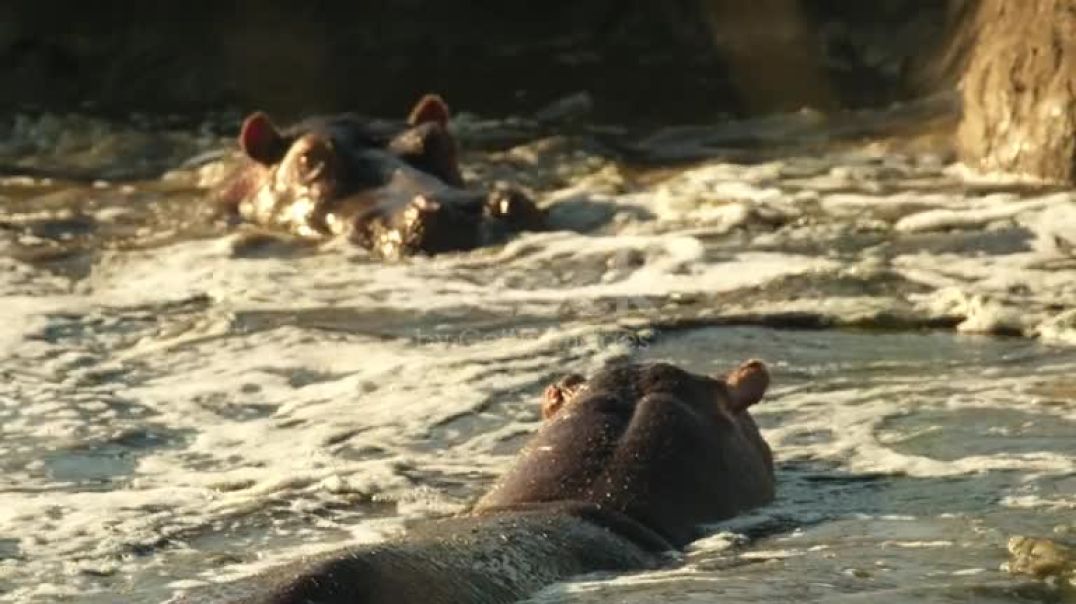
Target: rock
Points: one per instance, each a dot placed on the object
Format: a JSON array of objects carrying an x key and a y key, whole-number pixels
[{"x": 1019, "y": 89}]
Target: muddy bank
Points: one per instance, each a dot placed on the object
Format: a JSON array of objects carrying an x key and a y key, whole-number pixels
[{"x": 698, "y": 58}]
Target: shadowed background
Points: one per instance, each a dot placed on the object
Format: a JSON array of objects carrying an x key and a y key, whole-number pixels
[{"x": 647, "y": 61}]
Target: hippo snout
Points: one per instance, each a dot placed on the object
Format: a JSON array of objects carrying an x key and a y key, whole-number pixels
[{"x": 426, "y": 223}]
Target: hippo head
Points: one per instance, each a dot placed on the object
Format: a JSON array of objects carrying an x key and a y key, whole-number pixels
[
  {"x": 393, "y": 189},
  {"x": 667, "y": 448}
]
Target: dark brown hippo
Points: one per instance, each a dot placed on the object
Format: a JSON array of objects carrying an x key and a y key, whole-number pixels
[
  {"x": 626, "y": 466},
  {"x": 668, "y": 449},
  {"x": 395, "y": 189}
]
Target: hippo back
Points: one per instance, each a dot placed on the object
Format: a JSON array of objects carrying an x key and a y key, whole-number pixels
[
  {"x": 665, "y": 447},
  {"x": 482, "y": 560}
]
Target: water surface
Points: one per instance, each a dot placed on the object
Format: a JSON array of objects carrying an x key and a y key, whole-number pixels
[{"x": 184, "y": 402}]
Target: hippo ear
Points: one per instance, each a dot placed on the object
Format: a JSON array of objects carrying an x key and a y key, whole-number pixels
[
  {"x": 260, "y": 139},
  {"x": 746, "y": 384},
  {"x": 556, "y": 395},
  {"x": 430, "y": 108}
]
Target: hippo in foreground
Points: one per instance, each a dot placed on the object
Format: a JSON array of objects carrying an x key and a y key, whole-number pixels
[
  {"x": 626, "y": 466},
  {"x": 394, "y": 189}
]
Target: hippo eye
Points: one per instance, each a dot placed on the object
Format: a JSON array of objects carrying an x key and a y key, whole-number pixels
[
  {"x": 314, "y": 163},
  {"x": 310, "y": 166}
]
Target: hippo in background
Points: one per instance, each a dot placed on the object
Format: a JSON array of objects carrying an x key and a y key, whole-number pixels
[
  {"x": 626, "y": 467},
  {"x": 394, "y": 189}
]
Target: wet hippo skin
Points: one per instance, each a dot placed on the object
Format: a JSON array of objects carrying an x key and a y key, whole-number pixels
[
  {"x": 627, "y": 465},
  {"x": 395, "y": 189}
]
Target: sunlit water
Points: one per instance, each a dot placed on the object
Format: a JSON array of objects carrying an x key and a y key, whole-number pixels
[{"x": 183, "y": 403}]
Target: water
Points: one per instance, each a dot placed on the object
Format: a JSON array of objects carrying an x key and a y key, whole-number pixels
[{"x": 183, "y": 403}]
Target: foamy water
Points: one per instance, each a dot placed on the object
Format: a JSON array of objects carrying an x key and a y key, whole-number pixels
[{"x": 181, "y": 406}]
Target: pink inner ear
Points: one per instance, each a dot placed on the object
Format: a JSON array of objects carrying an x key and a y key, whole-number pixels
[
  {"x": 552, "y": 401},
  {"x": 258, "y": 137},
  {"x": 430, "y": 108}
]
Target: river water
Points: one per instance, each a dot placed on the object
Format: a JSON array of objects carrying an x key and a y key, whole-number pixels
[{"x": 184, "y": 403}]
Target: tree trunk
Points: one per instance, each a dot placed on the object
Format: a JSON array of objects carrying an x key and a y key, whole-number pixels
[{"x": 1019, "y": 89}]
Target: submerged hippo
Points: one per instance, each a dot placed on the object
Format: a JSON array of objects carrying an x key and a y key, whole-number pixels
[
  {"x": 626, "y": 466},
  {"x": 391, "y": 188}
]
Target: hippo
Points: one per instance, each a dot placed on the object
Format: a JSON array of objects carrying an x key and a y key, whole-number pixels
[
  {"x": 626, "y": 467},
  {"x": 394, "y": 189}
]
